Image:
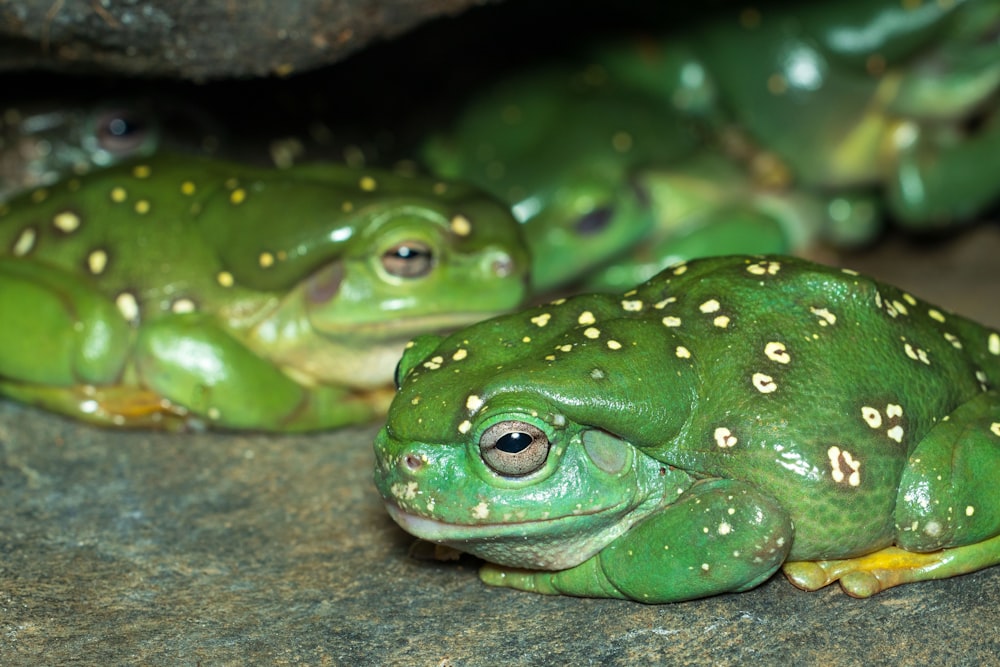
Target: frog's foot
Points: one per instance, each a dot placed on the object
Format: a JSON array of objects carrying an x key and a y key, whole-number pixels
[
  {"x": 112, "y": 405},
  {"x": 866, "y": 575}
]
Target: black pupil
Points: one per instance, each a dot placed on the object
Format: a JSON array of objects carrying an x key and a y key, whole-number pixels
[
  {"x": 406, "y": 252},
  {"x": 514, "y": 443},
  {"x": 594, "y": 222}
]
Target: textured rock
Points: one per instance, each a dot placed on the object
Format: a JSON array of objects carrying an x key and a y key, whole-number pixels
[
  {"x": 199, "y": 39},
  {"x": 159, "y": 549}
]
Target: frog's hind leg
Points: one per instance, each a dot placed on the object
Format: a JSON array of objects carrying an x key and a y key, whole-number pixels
[{"x": 947, "y": 510}]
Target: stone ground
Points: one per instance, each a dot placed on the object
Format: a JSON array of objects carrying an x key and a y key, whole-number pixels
[{"x": 157, "y": 549}]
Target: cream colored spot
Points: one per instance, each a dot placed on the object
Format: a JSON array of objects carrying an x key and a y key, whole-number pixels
[
  {"x": 680, "y": 269},
  {"x": 910, "y": 352},
  {"x": 709, "y": 306},
  {"x": 25, "y": 242},
  {"x": 225, "y": 278},
  {"x": 953, "y": 339},
  {"x": 142, "y": 206},
  {"x": 586, "y": 317},
  {"x": 994, "y": 343},
  {"x": 127, "y": 306},
  {"x": 764, "y": 268},
  {"x": 900, "y": 307},
  {"x": 908, "y": 298},
  {"x": 568, "y": 347},
  {"x": 895, "y": 433},
  {"x": 550, "y": 357},
  {"x": 367, "y": 183},
  {"x": 526, "y": 339},
  {"x": 893, "y": 410},
  {"x": 724, "y": 528},
  {"x": 265, "y": 260},
  {"x": 969, "y": 510},
  {"x": 66, "y": 222},
  {"x": 824, "y": 315},
  {"x": 188, "y": 188},
  {"x": 592, "y": 333},
  {"x": 141, "y": 171},
  {"x": 481, "y": 511},
  {"x": 541, "y": 320},
  {"x": 724, "y": 437},
  {"x": 614, "y": 345},
  {"x": 936, "y": 315},
  {"x": 722, "y": 321},
  {"x": 97, "y": 261},
  {"x": 671, "y": 321},
  {"x": 683, "y": 352},
  {"x": 775, "y": 351},
  {"x": 660, "y": 305},
  {"x": 118, "y": 194},
  {"x": 765, "y": 384},
  {"x": 182, "y": 306},
  {"x": 995, "y": 429},
  {"x": 632, "y": 305},
  {"x": 871, "y": 416},
  {"x": 464, "y": 427},
  {"x": 461, "y": 226},
  {"x": 844, "y": 466},
  {"x": 460, "y": 353},
  {"x": 473, "y": 403},
  {"x": 238, "y": 196},
  {"x": 434, "y": 363}
]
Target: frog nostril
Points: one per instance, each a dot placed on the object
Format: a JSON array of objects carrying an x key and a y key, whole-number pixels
[{"x": 413, "y": 462}]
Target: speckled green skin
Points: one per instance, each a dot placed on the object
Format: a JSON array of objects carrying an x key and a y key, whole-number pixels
[
  {"x": 183, "y": 290},
  {"x": 894, "y": 99},
  {"x": 691, "y": 436}
]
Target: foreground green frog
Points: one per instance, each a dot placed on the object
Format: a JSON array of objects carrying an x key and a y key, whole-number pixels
[
  {"x": 689, "y": 437},
  {"x": 184, "y": 290}
]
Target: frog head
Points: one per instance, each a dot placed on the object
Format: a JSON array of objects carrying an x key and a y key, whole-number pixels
[{"x": 521, "y": 432}]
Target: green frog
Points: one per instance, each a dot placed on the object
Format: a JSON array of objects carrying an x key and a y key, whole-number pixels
[
  {"x": 689, "y": 437},
  {"x": 187, "y": 291}
]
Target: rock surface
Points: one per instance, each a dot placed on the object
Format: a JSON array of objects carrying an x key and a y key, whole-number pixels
[
  {"x": 159, "y": 549},
  {"x": 200, "y": 39}
]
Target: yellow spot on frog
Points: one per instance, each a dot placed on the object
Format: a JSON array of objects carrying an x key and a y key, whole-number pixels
[
  {"x": 592, "y": 333},
  {"x": 824, "y": 315},
  {"x": 764, "y": 268},
  {"x": 473, "y": 403},
  {"x": 182, "y": 305},
  {"x": 541, "y": 320},
  {"x": 25, "y": 242},
  {"x": 66, "y": 222},
  {"x": 908, "y": 298},
  {"x": 893, "y": 410},
  {"x": 995, "y": 429},
  {"x": 224, "y": 278},
  {"x": 526, "y": 339},
  {"x": 460, "y": 353},
  {"x": 118, "y": 194},
  {"x": 367, "y": 183},
  {"x": 188, "y": 188},
  {"x": 142, "y": 206},
  {"x": 895, "y": 433},
  {"x": 632, "y": 305},
  {"x": 680, "y": 269},
  {"x": 238, "y": 196},
  {"x": 775, "y": 351},
  {"x": 724, "y": 437},
  {"x": 671, "y": 321},
  {"x": 994, "y": 343},
  {"x": 871, "y": 416},
  {"x": 481, "y": 511},
  {"x": 464, "y": 427},
  {"x": 461, "y": 226},
  {"x": 953, "y": 339},
  {"x": 97, "y": 261},
  {"x": 709, "y": 306},
  {"x": 969, "y": 510},
  {"x": 565, "y": 348},
  {"x": 614, "y": 345},
  {"x": 265, "y": 260},
  {"x": 844, "y": 467},
  {"x": 764, "y": 383},
  {"x": 722, "y": 321},
  {"x": 434, "y": 363},
  {"x": 586, "y": 317},
  {"x": 141, "y": 171},
  {"x": 682, "y": 352},
  {"x": 127, "y": 306},
  {"x": 660, "y": 305},
  {"x": 936, "y": 315}
]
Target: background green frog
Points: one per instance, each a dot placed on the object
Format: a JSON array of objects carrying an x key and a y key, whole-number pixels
[
  {"x": 691, "y": 436},
  {"x": 181, "y": 289}
]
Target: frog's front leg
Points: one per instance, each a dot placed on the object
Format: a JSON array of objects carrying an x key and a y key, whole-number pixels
[
  {"x": 191, "y": 362},
  {"x": 947, "y": 511},
  {"x": 936, "y": 181},
  {"x": 719, "y": 536}
]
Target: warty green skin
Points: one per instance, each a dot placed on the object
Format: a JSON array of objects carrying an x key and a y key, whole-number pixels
[
  {"x": 692, "y": 435},
  {"x": 180, "y": 290}
]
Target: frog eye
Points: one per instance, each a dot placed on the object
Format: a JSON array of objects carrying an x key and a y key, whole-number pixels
[
  {"x": 594, "y": 222},
  {"x": 409, "y": 259},
  {"x": 514, "y": 448},
  {"x": 120, "y": 131}
]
